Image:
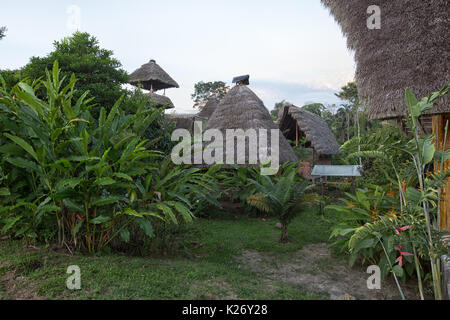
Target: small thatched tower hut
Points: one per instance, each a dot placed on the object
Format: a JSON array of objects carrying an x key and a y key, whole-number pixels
[
  {"x": 297, "y": 123},
  {"x": 152, "y": 77},
  {"x": 410, "y": 50},
  {"x": 242, "y": 109}
]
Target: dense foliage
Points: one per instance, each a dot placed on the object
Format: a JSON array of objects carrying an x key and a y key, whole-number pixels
[
  {"x": 398, "y": 226},
  {"x": 375, "y": 170},
  {"x": 67, "y": 174}
]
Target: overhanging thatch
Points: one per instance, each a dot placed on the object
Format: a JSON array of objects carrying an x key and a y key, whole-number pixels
[
  {"x": 160, "y": 101},
  {"x": 242, "y": 109},
  {"x": 312, "y": 126},
  {"x": 152, "y": 77},
  {"x": 411, "y": 50},
  {"x": 208, "y": 109}
]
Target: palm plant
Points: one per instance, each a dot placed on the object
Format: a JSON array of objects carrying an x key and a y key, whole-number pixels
[{"x": 284, "y": 196}]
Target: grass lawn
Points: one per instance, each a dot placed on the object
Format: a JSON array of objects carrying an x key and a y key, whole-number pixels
[{"x": 212, "y": 267}]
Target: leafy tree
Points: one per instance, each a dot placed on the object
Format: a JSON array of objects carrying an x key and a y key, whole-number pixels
[
  {"x": 11, "y": 77},
  {"x": 316, "y": 108},
  {"x": 2, "y": 32},
  {"x": 349, "y": 92},
  {"x": 276, "y": 110},
  {"x": 94, "y": 67},
  {"x": 207, "y": 90}
]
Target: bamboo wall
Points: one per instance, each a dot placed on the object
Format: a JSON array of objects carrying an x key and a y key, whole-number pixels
[{"x": 439, "y": 123}]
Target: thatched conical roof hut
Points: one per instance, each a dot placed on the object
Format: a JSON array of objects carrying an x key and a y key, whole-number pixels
[
  {"x": 242, "y": 109},
  {"x": 411, "y": 50},
  {"x": 160, "y": 101},
  {"x": 296, "y": 123},
  {"x": 208, "y": 109},
  {"x": 152, "y": 77}
]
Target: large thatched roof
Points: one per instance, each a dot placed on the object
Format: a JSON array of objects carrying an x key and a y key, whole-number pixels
[
  {"x": 208, "y": 109},
  {"x": 242, "y": 109},
  {"x": 160, "y": 101},
  {"x": 411, "y": 50},
  {"x": 312, "y": 126},
  {"x": 152, "y": 77}
]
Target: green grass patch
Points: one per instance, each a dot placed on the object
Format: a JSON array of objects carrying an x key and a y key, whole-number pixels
[{"x": 212, "y": 272}]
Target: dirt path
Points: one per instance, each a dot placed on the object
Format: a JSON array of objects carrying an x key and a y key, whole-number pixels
[
  {"x": 13, "y": 287},
  {"x": 314, "y": 268}
]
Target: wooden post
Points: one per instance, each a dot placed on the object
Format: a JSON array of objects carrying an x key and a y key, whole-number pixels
[{"x": 439, "y": 123}]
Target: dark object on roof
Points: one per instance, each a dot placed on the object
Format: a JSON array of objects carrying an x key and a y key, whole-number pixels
[
  {"x": 160, "y": 101},
  {"x": 411, "y": 50},
  {"x": 310, "y": 125},
  {"x": 208, "y": 109},
  {"x": 152, "y": 77},
  {"x": 242, "y": 80}
]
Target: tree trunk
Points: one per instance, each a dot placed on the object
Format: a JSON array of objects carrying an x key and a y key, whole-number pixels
[
  {"x": 348, "y": 126},
  {"x": 283, "y": 238}
]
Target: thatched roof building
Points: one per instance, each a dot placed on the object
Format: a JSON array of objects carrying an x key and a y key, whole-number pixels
[
  {"x": 296, "y": 123},
  {"x": 208, "y": 109},
  {"x": 183, "y": 121},
  {"x": 152, "y": 77},
  {"x": 411, "y": 50},
  {"x": 242, "y": 109},
  {"x": 160, "y": 101}
]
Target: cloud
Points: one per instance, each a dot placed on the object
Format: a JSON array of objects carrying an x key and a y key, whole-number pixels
[{"x": 272, "y": 92}]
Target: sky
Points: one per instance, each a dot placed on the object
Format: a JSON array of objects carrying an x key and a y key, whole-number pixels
[{"x": 293, "y": 50}]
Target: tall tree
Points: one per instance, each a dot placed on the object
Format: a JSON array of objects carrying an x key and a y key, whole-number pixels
[
  {"x": 94, "y": 67},
  {"x": 207, "y": 90},
  {"x": 349, "y": 93},
  {"x": 316, "y": 108}
]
